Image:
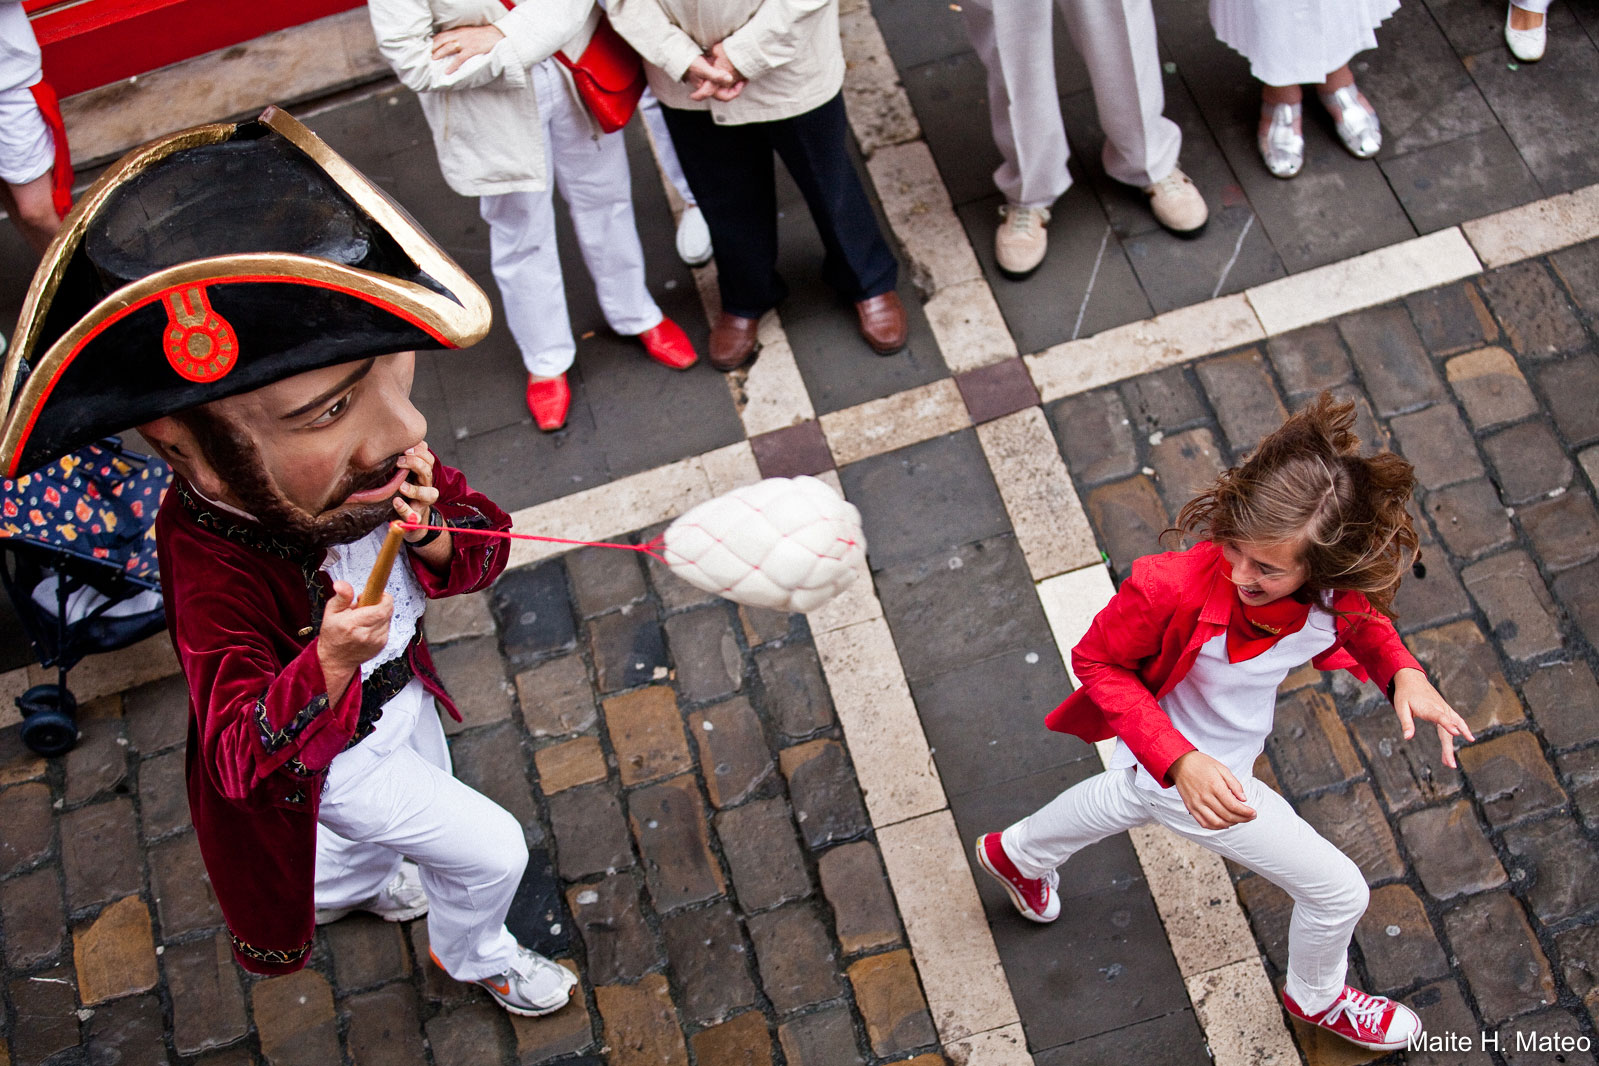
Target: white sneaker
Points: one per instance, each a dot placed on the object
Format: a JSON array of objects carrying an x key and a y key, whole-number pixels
[
  {"x": 1526, "y": 45},
  {"x": 1020, "y": 242},
  {"x": 693, "y": 238},
  {"x": 1177, "y": 204},
  {"x": 532, "y": 986},
  {"x": 401, "y": 899}
]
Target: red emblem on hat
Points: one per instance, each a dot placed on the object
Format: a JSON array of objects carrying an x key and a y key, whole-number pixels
[{"x": 199, "y": 343}]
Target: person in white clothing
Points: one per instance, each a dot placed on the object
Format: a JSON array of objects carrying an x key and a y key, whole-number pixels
[
  {"x": 506, "y": 118},
  {"x": 1527, "y": 29},
  {"x": 1290, "y": 43},
  {"x": 1305, "y": 546},
  {"x": 693, "y": 234},
  {"x": 36, "y": 180},
  {"x": 1116, "y": 39}
]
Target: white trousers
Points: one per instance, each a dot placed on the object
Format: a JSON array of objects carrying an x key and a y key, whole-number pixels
[
  {"x": 593, "y": 179},
  {"x": 665, "y": 151},
  {"x": 1116, "y": 39},
  {"x": 470, "y": 849},
  {"x": 1328, "y": 889}
]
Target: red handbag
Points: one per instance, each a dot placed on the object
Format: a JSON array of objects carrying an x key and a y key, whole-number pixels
[{"x": 609, "y": 75}]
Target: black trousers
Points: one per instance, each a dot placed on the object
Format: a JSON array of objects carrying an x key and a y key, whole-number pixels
[{"x": 731, "y": 172}]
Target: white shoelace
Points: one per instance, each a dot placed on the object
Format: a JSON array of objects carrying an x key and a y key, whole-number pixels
[
  {"x": 1363, "y": 1010},
  {"x": 1020, "y": 219}
]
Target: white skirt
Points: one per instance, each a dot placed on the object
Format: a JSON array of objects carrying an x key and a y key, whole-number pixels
[{"x": 1298, "y": 42}]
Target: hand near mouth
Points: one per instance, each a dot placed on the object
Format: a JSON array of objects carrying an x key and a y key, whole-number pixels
[{"x": 417, "y": 494}]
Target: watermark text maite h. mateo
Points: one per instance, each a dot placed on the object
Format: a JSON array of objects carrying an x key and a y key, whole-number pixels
[{"x": 1520, "y": 1040}]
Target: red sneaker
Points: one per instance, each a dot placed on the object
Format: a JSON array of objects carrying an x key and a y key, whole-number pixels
[
  {"x": 1035, "y": 897},
  {"x": 668, "y": 345},
  {"x": 548, "y": 400},
  {"x": 1374, "y": 1022}
]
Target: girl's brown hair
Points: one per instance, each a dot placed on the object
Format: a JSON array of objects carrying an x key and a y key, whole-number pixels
[{"x": 1307, "y": 483}]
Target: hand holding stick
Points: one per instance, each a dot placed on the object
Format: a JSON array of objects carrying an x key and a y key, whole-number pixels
[{"x": 380, "y": 569}]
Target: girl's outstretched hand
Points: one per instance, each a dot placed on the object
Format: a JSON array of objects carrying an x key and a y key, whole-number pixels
[
  {"x": 1210, "y": 791},
  {"x": 1414, "y": 697}
]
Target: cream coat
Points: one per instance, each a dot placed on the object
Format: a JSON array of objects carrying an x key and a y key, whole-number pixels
[
  {"x": 484, "y": 116},
  {"x": 788, "y": 49}
]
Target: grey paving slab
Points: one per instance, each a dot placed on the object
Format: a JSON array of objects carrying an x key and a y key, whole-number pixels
[
  {"x": 951, "y": 104},
  {"x": 1084, "y": 286},
  {"x": 1173, "y": 1039},
  {"x": 985, "y": 721},
  {"x": 1548, "y": 107},
  {"x": 1416, "y": 82},
  {"x": 1460, "y": 180},
  {"x": 928, "y": 497},
  {"x": 919, "y": 31}
]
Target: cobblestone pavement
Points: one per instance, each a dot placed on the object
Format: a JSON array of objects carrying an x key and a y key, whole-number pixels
[
  {"x": 756, "y": 828},
  {"x": 700, "y": 855}
]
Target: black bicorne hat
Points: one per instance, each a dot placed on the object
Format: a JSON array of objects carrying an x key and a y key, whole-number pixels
[{"x": 214, "y": 262}]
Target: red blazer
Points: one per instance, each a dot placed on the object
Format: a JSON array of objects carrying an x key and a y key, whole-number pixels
[
  {"x": 242, "y": 610},
  {"x": 1147, "y": 637}
]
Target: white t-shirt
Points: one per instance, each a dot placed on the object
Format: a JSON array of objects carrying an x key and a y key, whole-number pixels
[{"x": 1226, "y": 709}]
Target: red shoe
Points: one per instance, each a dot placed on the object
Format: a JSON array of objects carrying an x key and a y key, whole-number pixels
[
  {"x": 1035, "y": 897},
  {"x": 1374, "y": 1022},
  {"x": 548, "y": 399},
  {"x": 668, "y": 345}
]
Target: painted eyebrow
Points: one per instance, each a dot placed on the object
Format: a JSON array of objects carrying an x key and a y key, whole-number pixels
[{"x": 343, "y": 386}]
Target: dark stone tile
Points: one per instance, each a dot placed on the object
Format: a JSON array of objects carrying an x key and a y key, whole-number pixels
[
  {"x": 34, "y": 921},
  {"x": 366, "y": 951},
  {"x": 864, "y": 915},
  {"x": 1164, "y": 402},
  {"x": 710, "y": 962},
  {"x": 929, "y": 497},
  {"x": 590, "y": 835},
  {"x": 620, "y": 946},
  {"x": 1185, "y": 464},
  {"x": 627, "y": 648},
  {"x": 1465, "y": 668},
  {"x": 1309, "y": 360},
  {"x": 709, "y": 664},
  {"x": 1553, "y": 1036},
  {"x": 1529, "y": 461},
  {"x": 1396, "y": 940},
  {"x": 1511, "y": 777},
  {"x": 1173, "y": 1039},
  {"x": 889, "y": 998},
  {"x": 1546, "y": 107},
  {"x": 822, "y": 787},
  {"x": 1354, "y": 823},
  {"x": 1408, "y": 773},
  {"x": 1095, "y": 436},
  {"x": 468, "y": 1035},
  {"x": 797, "y": 963},
  {"x": 1500, "y": 957},
  {"x": 99, "y": 762},
  {"x": 1570, "y": 388},
  {"x": 1578, "y": 589},
  {"x": 825, "y": 1038},
  {"x": 537, "y": 917},
  {"x": 1438, "y": 445},
  {"x": 1434, "y": 595},
  {"x": 668, "y": 821},
  {"x": 604, "y": 579},
  {"x": 1309, "y": 745},
  {"x": 1469, "y": 517},
  {"x": 1578, "y": 267},
  {"x": 1452, "y": 318},
  {"x": 1089, "y": 284},
  {"x": 163, "y": 797},
  {"x": 100, "y": 853},
  {"x": 1245, "y": 398},
  {"x": 128, "y": 1030},
  {"x": 946, "y": 614},
  {"x": 763, "y": 626},
  {"x": 207, "y": 1006},
  {"x": 1518, "y": 607},
  {"x": 985, "y": 721},
  {"x": 1555, "y": 867},
  {"x": 386, "y": 1027},
  {"x": 1129, "y": 518},
  {"x": 555, "y": 697},
  {"x": 156, "y": 715},
  {"x": 1581, "y": 771},
  {"x": 1565, "y": 703},
  {"x": 995, "y": 391},
  {"x": 492, "y": 762},
  {"x": 797, "y": 698},
  {"x": 1578, "y": 955},
  {"x": 734, "y": 757},
  {"x": 646, "y": 732},
  {"x": 47, "y": 1001},
  {"x": 950, "y": 97},
  {"x": 1442, "y": 1011},
  {"x": 1460, "y": 180},
  {"x": 533, "y": 613},
  {"x": 1536, "y": 315},
  {"x": 1451, "y": 853},
  {"x": 758, "y": 840},
  {"x": 1393, "y": 362},
  {"x": 792, "y": 451},
  {"x": 184, "y": 899},
  {"x": 1423, "y": 95}
]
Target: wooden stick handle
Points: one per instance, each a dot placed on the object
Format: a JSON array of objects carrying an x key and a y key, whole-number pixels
[{"x": 380, "y": 569}]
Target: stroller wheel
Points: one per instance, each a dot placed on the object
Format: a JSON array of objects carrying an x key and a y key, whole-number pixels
[{"x": 49, "y": 725}]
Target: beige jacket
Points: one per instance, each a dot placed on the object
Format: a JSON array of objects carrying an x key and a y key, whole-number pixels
[
  {"x": 484, "y": 116},
  {"x": 788, "y": 49}
]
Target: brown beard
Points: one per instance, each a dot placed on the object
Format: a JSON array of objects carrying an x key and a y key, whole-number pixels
[{"x": 233, "y": 455}]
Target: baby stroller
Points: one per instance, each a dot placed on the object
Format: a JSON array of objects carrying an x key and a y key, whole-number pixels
[{"x": 77, "y": 557}]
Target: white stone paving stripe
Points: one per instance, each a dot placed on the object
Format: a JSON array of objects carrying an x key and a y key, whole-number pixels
[
  {"x": 1045, "y": 512},
  {"x": 919, "y": 210},
  {"x": 968, "y": 326},
  {"x": 966, "y": 986},
  {"x": 1070, "y": 602},
  {"x": 1363, "y": 281},
  {"x": 893, "y": 761},
  {"x": 1005, "y": 1046},
  {"x": 895, "y": 422},
  {"x": 1537, "y": 228},
  {"x": 1241, "y": 1017},
  {"x": 879, "y": 111},
  {"x": 770, "y": 393},
  {"x": 1197, "y": 902},
  {"x": 1140, "y": 347}
]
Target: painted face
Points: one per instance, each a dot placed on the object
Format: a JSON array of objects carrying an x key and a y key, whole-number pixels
[
  {"x": 1264, "y": 572},
  {"x": 318, "y": 458}
]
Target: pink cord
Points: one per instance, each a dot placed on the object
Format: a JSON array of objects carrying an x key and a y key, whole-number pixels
[{"x": 647, "y": 549}]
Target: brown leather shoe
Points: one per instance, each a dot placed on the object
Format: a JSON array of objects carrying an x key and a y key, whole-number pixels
[
  {"x": 733, "y": 342},
  {"x": 883, "y": 322}
]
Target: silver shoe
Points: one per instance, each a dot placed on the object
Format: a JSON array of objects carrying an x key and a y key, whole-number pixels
[
  {"x": 1282, "y": 145},
  {"x": 1357, "y": 122}
]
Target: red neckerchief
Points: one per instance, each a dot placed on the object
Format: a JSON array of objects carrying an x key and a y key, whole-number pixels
[{"x": 1252, "y": 630}]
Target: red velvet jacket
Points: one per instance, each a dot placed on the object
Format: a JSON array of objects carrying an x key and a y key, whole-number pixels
[
  {"x": 1142, "y": 644},
  {"x": 243, "y": 611}
]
